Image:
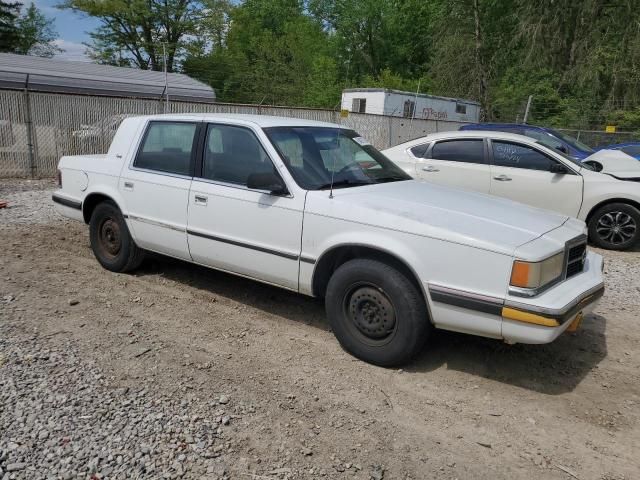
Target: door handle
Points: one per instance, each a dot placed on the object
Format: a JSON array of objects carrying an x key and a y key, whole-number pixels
[
  {"x": 430, "y": 169},
  {"x": 200, "y": 199},
  {"x": 128, "y": 185},
  {"x": 502, "y": 178}
]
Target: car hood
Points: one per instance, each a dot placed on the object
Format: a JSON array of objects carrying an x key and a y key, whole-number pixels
[
  {"x": 615, "y": 163},
  {"x": 435, "y": 211}
]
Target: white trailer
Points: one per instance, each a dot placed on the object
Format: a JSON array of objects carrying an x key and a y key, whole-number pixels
[{"x": 396, "y": 103}]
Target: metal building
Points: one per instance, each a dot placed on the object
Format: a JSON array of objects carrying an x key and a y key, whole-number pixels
[
  {"x": 61, "y": 76},
  {"x": 396, "y": 103}
]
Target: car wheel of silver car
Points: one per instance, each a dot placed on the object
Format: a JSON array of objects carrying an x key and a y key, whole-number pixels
[
  {"x": 615, "y": 226},
  {"x": 111, "y": 241},
  {"x": 376, "y": 312}
]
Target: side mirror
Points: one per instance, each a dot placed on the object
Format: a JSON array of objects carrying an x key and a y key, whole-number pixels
[
  {"x": 563, "y": 149},
  {"x": 267, "y": 181},
  {"x": 558, "y": 168}
]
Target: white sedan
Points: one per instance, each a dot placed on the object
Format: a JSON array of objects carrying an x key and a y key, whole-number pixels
[
  {"x": 604, "y": 190},
  {"x": 314, "y": 208}
]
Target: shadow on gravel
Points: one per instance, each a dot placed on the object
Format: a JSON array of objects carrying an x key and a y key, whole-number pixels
[
  {"x": 270, "y": 299},
  {"x": 551, "y": 369}
]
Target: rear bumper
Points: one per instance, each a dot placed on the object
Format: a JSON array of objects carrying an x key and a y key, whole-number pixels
[{"x": 67, "y": 207}]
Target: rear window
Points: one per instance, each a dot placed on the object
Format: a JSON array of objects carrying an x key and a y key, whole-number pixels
[
  {"x": 167, "y": 147},
  {"x": 633, "y": 151}
]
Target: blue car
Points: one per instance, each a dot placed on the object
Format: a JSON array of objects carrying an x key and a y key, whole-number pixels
[
  {"x": 630, "y": 148},
  {"x": 562, "y": 142}
]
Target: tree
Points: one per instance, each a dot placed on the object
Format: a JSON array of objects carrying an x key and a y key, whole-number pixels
[
  {"x": 9, "y": 33},
  {"x": 36, "y": 34},
  {"x": 133, "y": 31}
]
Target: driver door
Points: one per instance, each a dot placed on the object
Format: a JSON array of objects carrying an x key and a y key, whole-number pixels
[
  {"x": 522, "y": 173},
  {"x": 233, "y": 227}
]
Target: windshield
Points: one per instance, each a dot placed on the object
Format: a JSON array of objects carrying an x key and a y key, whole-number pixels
[
  {"x": 318, "y": 157},
  {"x": 574, "y": 142}
]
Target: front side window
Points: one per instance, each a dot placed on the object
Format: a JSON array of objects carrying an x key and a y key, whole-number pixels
[
  {"x": 515, "y": 155},
  {"x": 316, "y": 156},
  {"x": 467, "y": 151},
  {"x": 167, "y": 147},
  {"x": 232, "y": 154}
]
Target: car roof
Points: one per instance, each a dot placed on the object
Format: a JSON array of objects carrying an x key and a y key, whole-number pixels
[
  {"x": 453, "y": 134},
  {"x": 262, "y": 121},
  {"x": 619, "y": 145},
  {"x": 489, "y": 126}
]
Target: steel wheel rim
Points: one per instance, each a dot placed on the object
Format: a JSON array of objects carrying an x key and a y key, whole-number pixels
[
  {"x": 109, "y": 237},
  {"x": 616, "y": 227},
  {"x": 370, "y": 314}
]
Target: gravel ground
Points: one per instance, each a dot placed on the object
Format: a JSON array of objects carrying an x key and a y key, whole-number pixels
[{"x": 183, "y": 372}]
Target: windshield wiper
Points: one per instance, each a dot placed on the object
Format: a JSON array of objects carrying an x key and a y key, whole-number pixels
[
  {"x": 342, "y": 183},
  {"x": 391, "y": 178}
]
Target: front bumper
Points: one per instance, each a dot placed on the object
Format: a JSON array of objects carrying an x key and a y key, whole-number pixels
[{"x": 543, "y": 318}]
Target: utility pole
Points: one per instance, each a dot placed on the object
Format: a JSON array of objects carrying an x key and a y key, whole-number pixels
[
  {"x": 166, "y": 83},
  {"x": 415, "y": 104},
  {"x": 526, "y": 112}
]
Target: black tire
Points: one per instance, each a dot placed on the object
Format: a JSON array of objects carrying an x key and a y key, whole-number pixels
[
  {"x": 111, "y": 241},
  {"x": 615, "y": 226},
  {"x": 376, "y": 313}
]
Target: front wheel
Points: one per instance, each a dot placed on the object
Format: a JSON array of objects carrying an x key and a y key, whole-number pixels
[
  {"x": 111, "y": 241},
  {"x": 615, "y": 226},
  {"x": 376, "y": 312}
]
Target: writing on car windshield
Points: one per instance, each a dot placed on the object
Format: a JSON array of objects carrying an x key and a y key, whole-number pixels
[{"x": 319, "y": 157}]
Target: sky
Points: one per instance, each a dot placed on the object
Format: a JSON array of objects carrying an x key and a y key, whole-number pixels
[{"x": 72, "y": 28}]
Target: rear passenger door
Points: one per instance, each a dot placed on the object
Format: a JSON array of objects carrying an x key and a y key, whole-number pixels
[
  {"x": 460, "y": 163},
  {"x": 155, "y": 186}
]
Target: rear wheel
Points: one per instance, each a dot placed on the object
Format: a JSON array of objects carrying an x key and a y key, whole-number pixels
[
  {"x": 615, "y": 226},
  {"x": 376, "y": 312},
  {"x": 111, "y": 241}
]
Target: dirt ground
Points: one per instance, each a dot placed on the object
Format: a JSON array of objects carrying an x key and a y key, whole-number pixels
[{"x": 467, "y": 408}]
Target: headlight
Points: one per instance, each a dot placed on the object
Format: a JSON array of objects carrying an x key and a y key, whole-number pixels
[{"x": 535, "y": 275}]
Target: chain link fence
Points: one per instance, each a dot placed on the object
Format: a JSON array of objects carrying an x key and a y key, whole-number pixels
[{"x": 37, "y": 128}]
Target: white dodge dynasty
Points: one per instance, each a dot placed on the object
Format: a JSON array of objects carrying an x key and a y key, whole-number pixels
[{"x": 314, "y": 208}]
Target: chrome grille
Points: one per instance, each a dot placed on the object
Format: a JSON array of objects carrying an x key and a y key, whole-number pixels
[{"x": 576, "y": 255}]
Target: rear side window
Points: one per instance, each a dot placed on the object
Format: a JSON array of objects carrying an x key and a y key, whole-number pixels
[
  {"x": 515, "y": 155},
  {"x": 420, "y": 150},
  {"x": 466, "y": 151},
  {"x": 167, "y": 147}
]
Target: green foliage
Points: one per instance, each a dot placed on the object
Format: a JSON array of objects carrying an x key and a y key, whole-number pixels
[
  {"x": 36, "y": 34},
  {"x": 579, "y": 59},
  {"x": 9, "y": 32},
  {"x": 27, "y": 33},
  {"x": 133, "y": 31}
]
